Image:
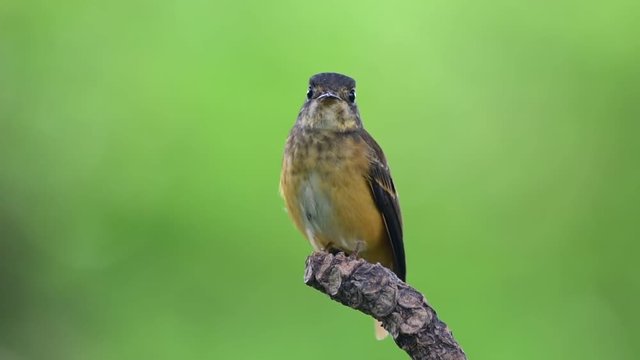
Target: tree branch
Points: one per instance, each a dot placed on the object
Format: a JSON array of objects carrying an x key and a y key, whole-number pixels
[{"x": 376, "y": 291}]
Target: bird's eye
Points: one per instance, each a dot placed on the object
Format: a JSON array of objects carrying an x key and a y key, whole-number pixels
[
  {"x": 352, "y": 95},
  {"x": 309, "y": 93}
]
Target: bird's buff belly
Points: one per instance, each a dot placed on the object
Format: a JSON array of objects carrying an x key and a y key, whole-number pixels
[{"x": 337, "y": 212}]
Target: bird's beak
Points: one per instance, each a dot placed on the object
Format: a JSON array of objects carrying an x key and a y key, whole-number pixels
[{"x": 329, "y": 95}]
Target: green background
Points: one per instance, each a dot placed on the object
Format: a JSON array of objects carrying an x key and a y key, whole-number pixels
[{"x": 140, "y": 149}]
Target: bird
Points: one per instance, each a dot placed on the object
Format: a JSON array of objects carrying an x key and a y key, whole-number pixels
[{"x": 336, "y": 182}]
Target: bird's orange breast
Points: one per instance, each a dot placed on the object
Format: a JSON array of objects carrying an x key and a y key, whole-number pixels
[{"x": 324, "y": 184}]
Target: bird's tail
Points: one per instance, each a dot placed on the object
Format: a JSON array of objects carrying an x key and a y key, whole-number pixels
[{"x": 381, "y": 333}]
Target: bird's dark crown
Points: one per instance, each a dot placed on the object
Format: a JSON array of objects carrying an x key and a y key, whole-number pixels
[{"x": 332, "y": 81}]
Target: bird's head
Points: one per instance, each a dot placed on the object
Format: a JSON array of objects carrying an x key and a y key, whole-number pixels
[{"x": 330, "y": 104}]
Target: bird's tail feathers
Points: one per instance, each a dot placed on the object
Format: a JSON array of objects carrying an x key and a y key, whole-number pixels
[{"x": 380, "y": 332}]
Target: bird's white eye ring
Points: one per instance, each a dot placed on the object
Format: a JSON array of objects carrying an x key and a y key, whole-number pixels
[
  {"x": 309, "y": 93},
  {"x": 352, "y": 95}
]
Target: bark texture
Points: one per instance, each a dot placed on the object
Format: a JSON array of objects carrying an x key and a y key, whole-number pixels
[{"x": 377, "y": 291}]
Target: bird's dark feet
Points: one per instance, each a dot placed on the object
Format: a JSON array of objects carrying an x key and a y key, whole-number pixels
[
  {"x": 356, "y": 252},
  {"x": 332, "y": 250},
  {"x": 360, "y": 246}
]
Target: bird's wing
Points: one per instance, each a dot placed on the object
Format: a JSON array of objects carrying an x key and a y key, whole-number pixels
[{"x": 386, "y": 199}]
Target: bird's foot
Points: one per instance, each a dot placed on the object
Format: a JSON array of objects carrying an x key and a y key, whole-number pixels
[
  {"x": 356, "y": 252},
  {"x": 332, "y": 250}
]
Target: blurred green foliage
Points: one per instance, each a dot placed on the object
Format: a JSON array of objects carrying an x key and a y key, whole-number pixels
[{"x": 140, "y": 148}]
